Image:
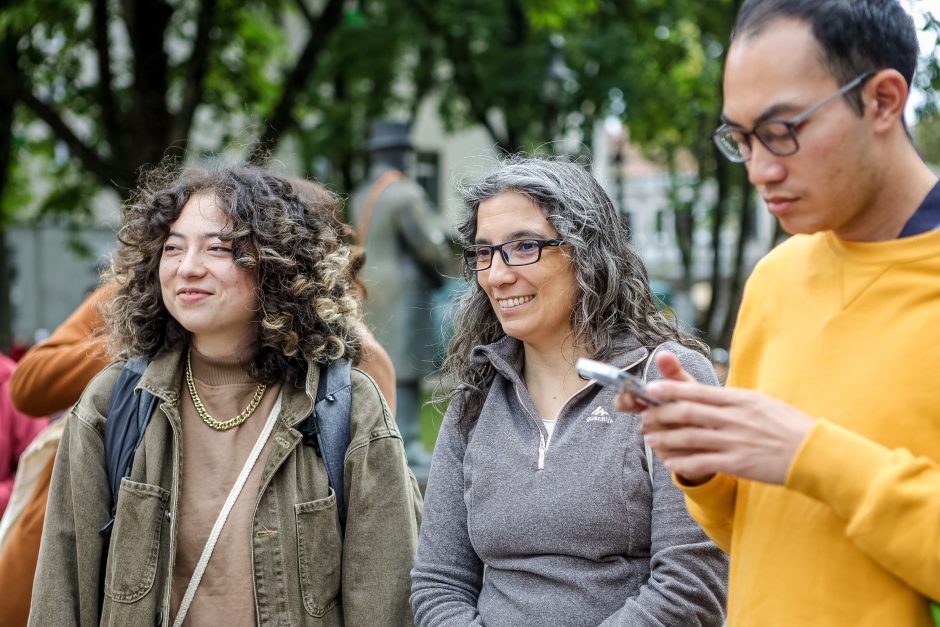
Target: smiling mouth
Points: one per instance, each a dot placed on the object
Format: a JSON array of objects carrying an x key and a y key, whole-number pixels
[
  {"x": 192, "y": 292},
  {"x": 508, "y": 303}
]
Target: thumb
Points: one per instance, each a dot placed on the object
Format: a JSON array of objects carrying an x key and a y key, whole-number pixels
[{"x": 669, "y": 365}]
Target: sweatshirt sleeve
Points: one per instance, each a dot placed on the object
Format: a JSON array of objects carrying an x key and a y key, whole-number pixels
[
  {"x": 712, "y": 503},
  {"x": 688, "y": 573},
  {"x": 52, "y": 375},
  {"x": 448, "y": 574},
  {"x": 889, "y": 500}
]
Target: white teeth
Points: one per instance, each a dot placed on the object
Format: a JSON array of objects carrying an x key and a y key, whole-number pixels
[{"x": 514, "y": 302}]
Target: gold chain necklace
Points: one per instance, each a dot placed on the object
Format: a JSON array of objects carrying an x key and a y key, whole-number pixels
[{"x": 201, "y": 409}]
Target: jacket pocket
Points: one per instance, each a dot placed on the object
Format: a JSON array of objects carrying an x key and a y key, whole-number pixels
[
  {"x": 135, "y": 541},
  {"x": 320, "y": 553}
]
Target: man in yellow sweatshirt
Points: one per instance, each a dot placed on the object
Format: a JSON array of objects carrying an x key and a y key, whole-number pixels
[{"x": 818, "y": 469}]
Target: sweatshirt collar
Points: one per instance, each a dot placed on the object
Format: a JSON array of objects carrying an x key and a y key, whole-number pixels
[{"x": 506, "y": 355}]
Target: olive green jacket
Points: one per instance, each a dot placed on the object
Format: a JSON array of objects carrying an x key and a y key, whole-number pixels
[{"x": 305, "y": 572}]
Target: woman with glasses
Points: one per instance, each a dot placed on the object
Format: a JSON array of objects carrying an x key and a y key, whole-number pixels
[
  {"x": 543, "y": 506},
  {"x": 234, "y": 293}
]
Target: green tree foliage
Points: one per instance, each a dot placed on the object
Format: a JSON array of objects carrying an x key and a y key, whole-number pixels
[
  {"x": 95, "y": 90},
  {"x": 120, "y": 84},
  {"x": 654, "y": 63}
]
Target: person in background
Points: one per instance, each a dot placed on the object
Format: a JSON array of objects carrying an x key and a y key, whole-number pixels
[
  {"x": 406, "y": 254},
  {"x": 235, "y": 291},
  {"x": 374, "y": 359},
  {"x": 542, "y": 506},
  {"x": 52, "y": 375},
  {"x": 818, "y": 468},
  {"x": 47, "y": 380},
  {"x": 17, "y": 430}
]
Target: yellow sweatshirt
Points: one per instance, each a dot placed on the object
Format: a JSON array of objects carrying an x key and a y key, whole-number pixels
[{"x": 849, "y": 333}]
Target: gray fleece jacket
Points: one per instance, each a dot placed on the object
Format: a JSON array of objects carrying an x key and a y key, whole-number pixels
[{"x": 520, "y": 529}]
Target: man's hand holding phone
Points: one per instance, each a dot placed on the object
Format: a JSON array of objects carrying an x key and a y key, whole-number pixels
[
  {"x": 702, "y": 430},
  {"x": 623, "y": 382}
]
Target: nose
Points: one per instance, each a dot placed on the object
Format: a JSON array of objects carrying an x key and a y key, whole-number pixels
[
  {"x": 764, "y": 167},
  {"x": 499, "y": 273},
  {"x": 191, "y": 263}
]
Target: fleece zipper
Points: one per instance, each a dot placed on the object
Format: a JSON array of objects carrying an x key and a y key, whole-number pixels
[{"x": 543, "y": 443}]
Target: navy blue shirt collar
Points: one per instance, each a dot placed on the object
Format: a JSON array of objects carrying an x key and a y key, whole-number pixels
[{"x": 927, "y": 216}]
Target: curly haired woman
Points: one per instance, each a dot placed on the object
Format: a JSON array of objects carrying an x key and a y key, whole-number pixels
[
  {"x": 235, "y": 290},
  {"x": 542, "y": 507}
]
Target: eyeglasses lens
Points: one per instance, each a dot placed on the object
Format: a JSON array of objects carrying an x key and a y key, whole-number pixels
[
  {"x": 733, "y": 145},
  {"x": 523, "y": 252},
  {"x": 779, "y": 138},
  {"x": 477, "y": 258}
]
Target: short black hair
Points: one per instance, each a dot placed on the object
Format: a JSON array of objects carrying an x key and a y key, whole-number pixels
[{"x": 855, "y": 36}]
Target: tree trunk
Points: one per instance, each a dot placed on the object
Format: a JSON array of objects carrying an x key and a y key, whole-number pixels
[
  {"x": 9, "y": 93},
  {"x": 6, "y": 310},
  {"x": 723, "y": 181},
  {"x": 736, "y": 283}
]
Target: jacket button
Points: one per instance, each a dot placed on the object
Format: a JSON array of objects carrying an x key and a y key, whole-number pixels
[
  {"x": 330, "y": 398},
  {"x": 158, "y": 619},
  {"x": 167, "y": 515}
]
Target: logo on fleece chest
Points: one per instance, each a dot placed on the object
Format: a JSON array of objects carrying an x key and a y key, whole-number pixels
[{"x": 599, "y": 414}]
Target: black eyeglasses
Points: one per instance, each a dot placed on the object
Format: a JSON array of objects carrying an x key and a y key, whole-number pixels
[
  {"x": 517, "y": 252},
  {"x": 778, "y": 136}
]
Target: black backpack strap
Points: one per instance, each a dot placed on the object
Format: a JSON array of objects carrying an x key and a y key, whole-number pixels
[
  {"x": 327, "y": 428},
  {"x": 128, "y": 415}
]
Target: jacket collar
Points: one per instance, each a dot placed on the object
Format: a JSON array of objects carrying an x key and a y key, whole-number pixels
[{"x": 164, "y": 375}]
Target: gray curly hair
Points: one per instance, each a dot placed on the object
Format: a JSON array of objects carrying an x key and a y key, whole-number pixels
[{"x": 615, "y": 298}]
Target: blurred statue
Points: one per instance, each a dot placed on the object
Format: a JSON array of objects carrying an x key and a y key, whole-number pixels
[{"x": 406, "y": 252}]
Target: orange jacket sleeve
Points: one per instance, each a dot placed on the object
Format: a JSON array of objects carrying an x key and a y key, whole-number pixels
[{"x": 53, "y": 374}]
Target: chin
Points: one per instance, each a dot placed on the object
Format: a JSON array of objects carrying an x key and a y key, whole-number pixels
[
  {"x": 192, "y": 326},
  {"x": 800, "y": 227}
]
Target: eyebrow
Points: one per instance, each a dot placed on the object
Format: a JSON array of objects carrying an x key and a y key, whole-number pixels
[
  {"x": 210, "y": 235},
  {"x": 773, "y": 113},
  {"x": 523, "y": 234}
]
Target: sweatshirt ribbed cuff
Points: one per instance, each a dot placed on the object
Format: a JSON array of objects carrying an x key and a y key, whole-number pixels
[{"x": 836, "y": 466}]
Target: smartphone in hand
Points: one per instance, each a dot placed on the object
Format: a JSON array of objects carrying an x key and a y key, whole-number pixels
[{"x": 611, "y": 376}]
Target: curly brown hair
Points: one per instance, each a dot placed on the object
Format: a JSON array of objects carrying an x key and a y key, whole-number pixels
[
  {"x": 320, "y": 196},
  {"x": 290, "y": 245}
]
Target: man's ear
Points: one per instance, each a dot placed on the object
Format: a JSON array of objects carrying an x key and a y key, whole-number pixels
[{"x": 884, "y": 97}]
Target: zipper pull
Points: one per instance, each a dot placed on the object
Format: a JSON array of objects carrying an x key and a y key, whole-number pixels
[{"x": 541, "y": 452}]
